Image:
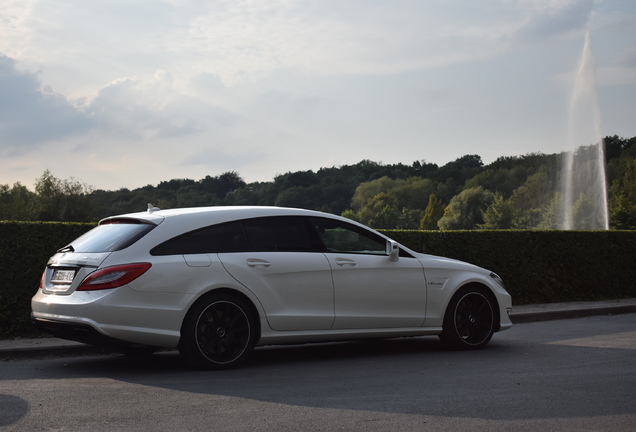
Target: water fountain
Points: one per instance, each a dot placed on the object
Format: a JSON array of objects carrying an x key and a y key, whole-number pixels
[{"x": 584, "y": 185}]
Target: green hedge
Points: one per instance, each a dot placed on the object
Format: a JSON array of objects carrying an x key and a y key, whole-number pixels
[
  {"x": 541, "y": 266},
  {"x": 537, "y": 266},
  {"x": 25, "y": 248}
]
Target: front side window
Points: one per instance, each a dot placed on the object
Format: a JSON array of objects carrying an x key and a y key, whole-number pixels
[{"x": 340, "y": 236}]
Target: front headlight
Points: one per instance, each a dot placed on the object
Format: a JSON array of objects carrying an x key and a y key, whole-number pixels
[{"x": 497, "y": 279}]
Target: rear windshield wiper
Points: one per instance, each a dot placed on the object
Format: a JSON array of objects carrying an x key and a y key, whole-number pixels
[{"x": 68, "y": 248}]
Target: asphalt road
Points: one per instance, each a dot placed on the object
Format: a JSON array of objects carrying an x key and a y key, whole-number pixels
[{"x": 574, "y": 374}]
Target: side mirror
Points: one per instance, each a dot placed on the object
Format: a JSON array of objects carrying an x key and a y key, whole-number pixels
[{"x": 393, "y": 250}]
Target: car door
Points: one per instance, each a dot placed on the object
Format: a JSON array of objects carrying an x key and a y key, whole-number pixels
[
  {"x": 282, "y": 268},
  {"x": 370, "y": 290}
]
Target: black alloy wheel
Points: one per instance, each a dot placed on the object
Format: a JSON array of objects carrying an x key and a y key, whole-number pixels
[
  {"x": 469, "y": 322},
  {"x": 218, "y": 333}
]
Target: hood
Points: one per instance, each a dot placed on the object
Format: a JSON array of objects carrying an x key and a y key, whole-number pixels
[{"x": 434, "y": 261}]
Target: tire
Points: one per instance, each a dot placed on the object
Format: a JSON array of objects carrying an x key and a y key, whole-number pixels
[
  {"x": 469, "y": 322},
  {"x": 219, "y": 332}
]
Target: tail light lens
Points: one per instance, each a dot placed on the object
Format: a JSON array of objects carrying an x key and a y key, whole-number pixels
[{"x": 113, "y": 277}]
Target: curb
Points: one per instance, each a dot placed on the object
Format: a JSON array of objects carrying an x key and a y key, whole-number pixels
[
  {"x": 46, "y": 347},
  {"x": 556, "y": 311}
]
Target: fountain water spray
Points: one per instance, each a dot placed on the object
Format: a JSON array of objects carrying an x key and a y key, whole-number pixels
[{"x": 584, "y": 185}]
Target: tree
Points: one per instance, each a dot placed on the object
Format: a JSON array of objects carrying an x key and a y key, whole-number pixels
[
  {"x": 409, "y": 219},
  {"x": 296, "y": 179},
  {"x": 622, "y": 212},
  {"x": 460, "y": 170},
  {"x": 622, "y": 202},
  {"x": 413, "y": 193},
  {"x": 550, "y": 218},
  {"x": 406, "y": 199},
  {"x": 376, "y": 205},
  {"x": 465, "y": 210},
  {"x": 386, "y": 218},
  {"x": 530, "y": 200},
  {"x": 433, "y": 213},
  {"x": 16, "y": 203},
  {"x": 500, "y": 180},
  {"x": 223, "y": 184},
  {"x": 366, "y": 191},
  {"x": 63, "y": 200},
  {"x": 527, "y": 183},
  {"x": 296, "y": 196},
  {"x": 50, "y": 195},
  {"x": 499, "y": 214},
  {"x": 583, "y": 213},
  {"x": 350, "y": 214}
]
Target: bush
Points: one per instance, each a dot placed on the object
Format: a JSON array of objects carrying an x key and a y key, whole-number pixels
[
  {"x": 541, "y": 266},
  {"x": 25, "y": 248}
]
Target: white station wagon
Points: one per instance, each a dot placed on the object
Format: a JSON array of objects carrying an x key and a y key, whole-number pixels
[{"x": 215, "y": 282}]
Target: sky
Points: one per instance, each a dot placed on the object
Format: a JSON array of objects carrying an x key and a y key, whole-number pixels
[{"x": 126, "y": 93}]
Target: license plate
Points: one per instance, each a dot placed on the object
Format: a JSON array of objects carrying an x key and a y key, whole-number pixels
[{"x": 63, "y": 276}]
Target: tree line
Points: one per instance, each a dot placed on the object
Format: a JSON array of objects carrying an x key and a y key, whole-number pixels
[{"x": 513, "y": 192}]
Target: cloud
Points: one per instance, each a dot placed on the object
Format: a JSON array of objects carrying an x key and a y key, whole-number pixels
[
  {"x": 132, "y": 108},
  {"x": 32, "y": 113},
  {"x": 555, "y": 19},
  {"x": 149, "y": 89},
  {"x": 629, "y": 57},
  {"x": 219, "y": 158},
  {"x": 250, "y": 39},
  {"x": 623, "y": 72},
  {"x": 158, "y": 107}
]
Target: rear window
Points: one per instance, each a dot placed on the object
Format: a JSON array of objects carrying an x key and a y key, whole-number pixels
[
  {"x": 266, "y": 234},
  {"x": 278, "y": 234},
  {"x": 226, "y": 237},
  {"x": 111, "y": 237}
]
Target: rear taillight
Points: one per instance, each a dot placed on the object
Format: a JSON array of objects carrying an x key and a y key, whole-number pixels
[
  {"x": 113, "y": 277},
  {"x": 42, "y": 279}
]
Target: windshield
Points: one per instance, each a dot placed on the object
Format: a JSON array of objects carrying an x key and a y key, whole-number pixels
[{"x": 109, "y": 238}]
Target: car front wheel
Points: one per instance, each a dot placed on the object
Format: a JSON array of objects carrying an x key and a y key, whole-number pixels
[
  {"x": 469, "y": 322},
  {"x": 219, "y": 332}
]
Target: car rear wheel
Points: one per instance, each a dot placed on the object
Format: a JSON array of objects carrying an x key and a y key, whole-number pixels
[
  {"x": 219, "y": 332},
  {"x": 469, "y": 322}
]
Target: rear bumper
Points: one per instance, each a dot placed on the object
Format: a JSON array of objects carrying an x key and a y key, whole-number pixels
[
  {"x": 73, "y": 331},
  {"x": 120, "y": 315}
]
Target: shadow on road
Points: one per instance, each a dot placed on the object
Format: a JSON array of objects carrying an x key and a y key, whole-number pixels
[{"x": 520, "y": 375}]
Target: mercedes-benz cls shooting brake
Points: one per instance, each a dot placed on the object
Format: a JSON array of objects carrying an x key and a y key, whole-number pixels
[{"x": 215, "y": 282}]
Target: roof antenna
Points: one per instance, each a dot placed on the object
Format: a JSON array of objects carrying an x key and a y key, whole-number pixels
[{"x": 152, "y": 208}]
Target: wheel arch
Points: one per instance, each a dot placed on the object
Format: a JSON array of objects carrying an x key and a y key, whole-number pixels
[
  {"x": 486, "y": 290},
  {"x": 232, "y": 292}
]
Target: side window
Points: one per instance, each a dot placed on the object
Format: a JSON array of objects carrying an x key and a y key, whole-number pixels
[
  {"x": 277, "y": 234},
  {"x": 340, "y": 236},
  {"x": 226, "y": 237}
]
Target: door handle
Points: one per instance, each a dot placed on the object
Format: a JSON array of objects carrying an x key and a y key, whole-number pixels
[
  {"x": 253, "y": 262},
  {"x": 342, "y": 262}
]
